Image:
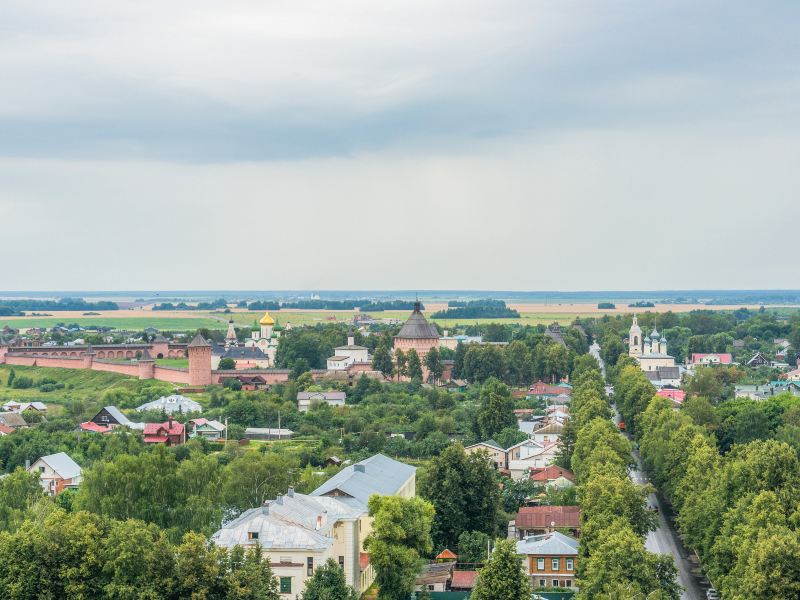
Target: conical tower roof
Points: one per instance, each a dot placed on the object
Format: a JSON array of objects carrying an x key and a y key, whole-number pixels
[
  {"x": 199, "y": 342},
  {"x": 417, "y": 327}
]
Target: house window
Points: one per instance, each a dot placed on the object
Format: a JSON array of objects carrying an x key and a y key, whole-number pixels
[
  {"x": 41, "y": 469},
  {"x": 341, "y": 562},
  {"x": 570, "y": 564},
  {"x": 555, "y": 564},
  {"x": 252, "y": 535},
  {"x": 310, "y": 566},
  {"x": 104, "y": 418},
  {"x": 540, "y": 564},
  {"x": 286, "y": 585},
  {"x": 555, "y": 583},
  {"x": 431, "y": 587},
  {"x": 567, "y": 583},
  {"x": 542, "y": 583}
]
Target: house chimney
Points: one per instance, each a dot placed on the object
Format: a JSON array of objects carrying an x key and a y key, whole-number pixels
[
  {"x": 319, "y": 521},
  {"x": 290, "y": 493},
  {"x": 265, "y": 508},
  {"x": 27, "y": 463},
  {"x": 279, "y": 499},
  {"x": 360, "y": 468}
]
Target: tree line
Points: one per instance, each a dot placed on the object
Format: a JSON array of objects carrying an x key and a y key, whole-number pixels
[{"x": 737, "y": 508}]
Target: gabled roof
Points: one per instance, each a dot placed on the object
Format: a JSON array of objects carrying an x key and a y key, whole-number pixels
[
  {"x": 62, "y": 464},
  {"x": 12, "y": 419},
  {"x": 555, "y": 428},
  {"x": 463, "y": 580},
  {"x": 551, "y": 473},
  {"x": 321, "y": 396},
  {"x": 165, "y": 428},
  {"x": 490, "y": 443},
  {"x": 549, "y": 544},
  {"x": 378, "y": 474},
  {"x": 417, "y": 327},
  {"x": 446, "y": 554}
]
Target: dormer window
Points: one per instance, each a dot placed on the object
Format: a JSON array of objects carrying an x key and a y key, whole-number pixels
[{"x": 252, "y": 536}]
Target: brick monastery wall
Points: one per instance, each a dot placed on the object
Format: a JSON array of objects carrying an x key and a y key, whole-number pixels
[
  {"x": 270, "y": 376},
  {"x": 171, "y": 374},
  {"x": 112, "y": 367}
]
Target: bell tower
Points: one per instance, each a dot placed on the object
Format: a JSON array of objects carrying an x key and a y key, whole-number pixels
[{"x": 635, "y": 339}]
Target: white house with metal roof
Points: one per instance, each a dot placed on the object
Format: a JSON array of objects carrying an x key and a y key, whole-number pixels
[
  {"x": 299, "y": 532},
  {"x": 57, "y": 472}
]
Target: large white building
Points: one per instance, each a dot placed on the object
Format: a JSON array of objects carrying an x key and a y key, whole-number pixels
[
  {"x": 299, "y": 532},
  {"x": 345, "y": 356},
  {"x": 650, "y": 351}
]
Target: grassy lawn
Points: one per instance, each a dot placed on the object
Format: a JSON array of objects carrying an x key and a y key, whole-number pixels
[{"x": 78, "y": 384}]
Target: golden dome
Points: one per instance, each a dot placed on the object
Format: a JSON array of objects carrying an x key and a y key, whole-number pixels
[{"x": 267, "y": 320}]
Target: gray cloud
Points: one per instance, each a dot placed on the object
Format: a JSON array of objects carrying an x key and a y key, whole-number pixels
[{"x": 513, "y": 144}]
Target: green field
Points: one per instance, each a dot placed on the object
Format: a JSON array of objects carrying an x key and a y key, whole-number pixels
[
  {"x": 219, "y": 321},
  {"x": 129, "y": 323}
]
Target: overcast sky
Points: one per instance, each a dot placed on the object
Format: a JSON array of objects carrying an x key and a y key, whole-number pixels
[{"x": 414, "y": 144}]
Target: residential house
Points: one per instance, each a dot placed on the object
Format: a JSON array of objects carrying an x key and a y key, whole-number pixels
[
  {"x": 528, "y": 454},
  {"x": 553, "y": 476},
  {"x": 541, "y": 390},
  {"x": 21, "y": 407},
  {"x": 170, "y": 433},
  {"x": 665, "y": 376},
  {"x": 299, "y": 532},
  {"x": 793, "y": 375},
  {"x": 711, "y": 359},
  {"x": 677, "y": 396},
  {"x": 758, "y": 360},
  {"x": 497, "y": 455},
  {"x": 538, "y": 520},
  {"x": 57, "y": 472},
  {"x": 92, "y": 427},
  {"x": 250, "y": 383},
  {"x": 435, "y": 577},
  {"x": 207, "y": 429},
  {"x": 172, "y": 404},
  {"x": 551, "y": 559},
  {"x": 305, "y": 400},
  {"x": 111, "y": 416},
  {"x": 767, "y": 390},
  {"x": 463, "y": 581},
  {"x": 12, "y": 419},
  {"x": 5, "y": 429},
  {"x": 548, "y": 432}
]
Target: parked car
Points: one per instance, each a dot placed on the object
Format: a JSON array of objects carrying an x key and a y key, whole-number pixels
[{"x": 712, "y": 594}]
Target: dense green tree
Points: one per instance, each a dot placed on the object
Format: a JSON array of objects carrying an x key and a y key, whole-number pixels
[
  {"x": 254, "y": 477},
  {"x": 414, "y": 365},
  {"x": 328, "y": 583},
  {"x": 458, "y": 360},
  {"x": 382, "y": 361},
  {"x": 502, "y": 578},
  {"x": 400, "y": 536},
  {"x": 611, "y": 348},
  {"x": 473, "y": 547},
  {"x": 496, "y": 410},
  {"x": 482, "y": 362},
  {"x": 463, "y": 490},
  {"x": 226, "y": 364},
  {"x": 519, "y": 363},
  {"x": 401, "y": 363},
  {"x": 18, "y": 491},
  {"x": 434, "y": 364}
]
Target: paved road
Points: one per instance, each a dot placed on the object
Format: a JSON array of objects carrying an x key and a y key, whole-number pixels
[
  {"x": 665, "y": 540},
  {"x": 594, "y": 350}
]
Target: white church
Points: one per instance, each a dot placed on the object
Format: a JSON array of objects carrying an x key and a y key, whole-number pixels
[{"x": 651, "y": 353}]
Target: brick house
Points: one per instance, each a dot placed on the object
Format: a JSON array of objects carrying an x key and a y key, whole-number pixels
[{"x": 170, "y": 433}]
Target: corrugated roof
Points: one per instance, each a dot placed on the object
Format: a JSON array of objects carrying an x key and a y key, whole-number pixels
[
  {"x": 546, "y": 516},
  {"x": 63, "y": 465},
  {"x": 555, "y": 544},
  {"x": 380, "y": 475}
]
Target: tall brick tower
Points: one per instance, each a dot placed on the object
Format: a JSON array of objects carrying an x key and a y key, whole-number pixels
[{"x": 199, "y": 361}]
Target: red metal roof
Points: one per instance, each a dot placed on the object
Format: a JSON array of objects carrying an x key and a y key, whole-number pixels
[
  {"x": 5, "y": 429},
  {"x": 463, "y": 580},
  {"x": 446, "y": 554},
  {"x": 677, "y": 395},
  {"x": 724, "y": 357},
  {"x": 163, "y": 428},
  {"x": 551, "y": 473},
  {"x": 94, "y": 427},
  {"x": 541, "y": 517}
]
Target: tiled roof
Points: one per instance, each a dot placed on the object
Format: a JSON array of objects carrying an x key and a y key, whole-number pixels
[
  {"x": 199, "y": 342},
  {"x": 530, "y": 517},
  {"x": 446, "y": 554}
]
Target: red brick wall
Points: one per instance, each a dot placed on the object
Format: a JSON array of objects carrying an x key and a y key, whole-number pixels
[{"x": 171, "y": 374}]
